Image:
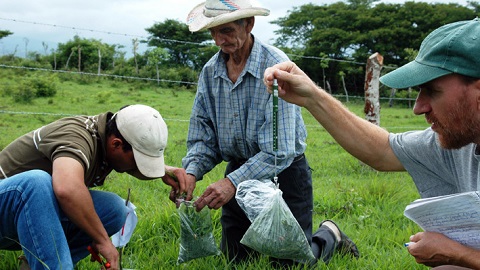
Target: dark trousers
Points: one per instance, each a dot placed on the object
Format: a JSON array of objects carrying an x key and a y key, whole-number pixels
[{"x": 296, "y": 185}]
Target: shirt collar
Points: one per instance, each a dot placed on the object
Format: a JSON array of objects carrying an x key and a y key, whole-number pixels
[{"x": 251, "y": 65}]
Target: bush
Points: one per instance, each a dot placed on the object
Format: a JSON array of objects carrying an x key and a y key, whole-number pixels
[
  {"x": 34, "y": 64},
  {"x": 7, "y": 89},
  {"x": 406, "y": 98},
  {"x": 405, "y": 94},
  {"x": 23, "y": 94},
  {"x": 103, "y": 96},
  {"x": 44, "y": 86},
  {"x": 181, "y": 77},
  {"x": 35, "y": 86}
]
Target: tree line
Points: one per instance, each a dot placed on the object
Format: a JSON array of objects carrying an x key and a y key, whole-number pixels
[
  {"x": 354, "y": 30},
  {"x": 329, "y": 42}
]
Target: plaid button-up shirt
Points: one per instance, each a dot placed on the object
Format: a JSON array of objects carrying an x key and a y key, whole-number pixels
[{"x": 233, "y": 121}]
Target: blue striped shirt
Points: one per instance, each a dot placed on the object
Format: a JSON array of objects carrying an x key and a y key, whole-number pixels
[{"x": 233, "y": 121}]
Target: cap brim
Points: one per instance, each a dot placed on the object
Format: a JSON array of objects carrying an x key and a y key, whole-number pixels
[
  {"x": 148, "y": 166},
  {"x": 412, "y": 74}
]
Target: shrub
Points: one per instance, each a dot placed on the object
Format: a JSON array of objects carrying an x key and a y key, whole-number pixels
[
  {"x": 44, "y": 86},
  {"x": 23, "y": 94},
  {"x": 103, "y": 96},
  {"x": 406, "y": 98},
  {"x": 33, "y": 87}
]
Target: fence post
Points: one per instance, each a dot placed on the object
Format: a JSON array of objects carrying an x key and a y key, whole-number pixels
[
  {"x": 393, "y": 91},
  {"x": 372, "y": 92}
]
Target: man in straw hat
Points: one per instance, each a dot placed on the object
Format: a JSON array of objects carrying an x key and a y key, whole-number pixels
[
  {"x": 231, "y": 121},
  {"x": 46, "y": 208},
  {"x": 442, "y": 159}
]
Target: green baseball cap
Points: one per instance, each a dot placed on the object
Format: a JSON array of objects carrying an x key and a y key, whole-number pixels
[{"x": 452, "y": 48}]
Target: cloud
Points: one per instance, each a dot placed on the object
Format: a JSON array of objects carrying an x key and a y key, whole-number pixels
[{"x": 112, "y": 21}]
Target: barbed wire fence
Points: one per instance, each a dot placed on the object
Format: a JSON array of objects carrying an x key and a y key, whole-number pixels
[
  {"x": 73, "y": 28},
  {"x": 137, "y": 78}
]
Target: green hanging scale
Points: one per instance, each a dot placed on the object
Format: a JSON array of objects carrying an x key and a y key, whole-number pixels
[{"x": 275, "y": 127}]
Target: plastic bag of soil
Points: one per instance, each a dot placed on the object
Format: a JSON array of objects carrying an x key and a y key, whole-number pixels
[
  {"x": 196, "y": 233},
  {"x": 274, "y": 230}
]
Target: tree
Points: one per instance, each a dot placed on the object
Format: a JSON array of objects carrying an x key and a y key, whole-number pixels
[
  {"x": 361, "y": 3},
  {"x": 45, "y": 48},
  {"x": 118, "y": 55},
  {"x": 475, "y": 5},
  {"x": 185, "y": 48},
  {"x": 26, "y": 40},
  {"x": 134, "y": 51},
  {"x": 348, "y": 33},
  {"x": 89, "y": 55},
  {"x": 4, "y": 33},
  {"x": 156, "y": 57}
]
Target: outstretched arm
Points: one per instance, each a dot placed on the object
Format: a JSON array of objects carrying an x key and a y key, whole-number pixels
[{"x": 362, "y": 139}]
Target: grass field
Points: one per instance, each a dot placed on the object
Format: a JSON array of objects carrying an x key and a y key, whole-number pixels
[{"x": 368, "y": 205}]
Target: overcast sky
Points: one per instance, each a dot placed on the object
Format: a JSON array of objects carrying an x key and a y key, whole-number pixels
[{"x": 34, "y": 22}]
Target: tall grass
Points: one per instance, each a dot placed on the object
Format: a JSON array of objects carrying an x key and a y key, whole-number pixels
[{"x": 368, "y": 205}]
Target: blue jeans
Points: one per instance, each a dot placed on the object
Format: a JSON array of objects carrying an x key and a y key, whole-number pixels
[{"x": 31, "y": 219}]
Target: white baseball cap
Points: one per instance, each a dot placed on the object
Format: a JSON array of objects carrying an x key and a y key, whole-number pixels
[{"x": 144, "y": 129}]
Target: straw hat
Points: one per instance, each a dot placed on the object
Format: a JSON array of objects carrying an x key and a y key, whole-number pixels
[{"x": 217, "y": 12}]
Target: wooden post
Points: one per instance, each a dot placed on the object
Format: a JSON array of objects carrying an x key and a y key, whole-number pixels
[
  {"x": 393, "y": 91},
  {"x": 79, "y": 59},
  {"x": 99, "y": 61},
  {"x": 372, "y": 92}
]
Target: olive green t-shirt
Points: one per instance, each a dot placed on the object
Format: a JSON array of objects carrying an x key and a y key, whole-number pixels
[{"x": 81, "y": 138}]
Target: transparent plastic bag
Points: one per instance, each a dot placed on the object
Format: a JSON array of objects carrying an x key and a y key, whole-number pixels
[
  {"x": 196, "y": 233},
  {"x": 252, "y": 194},
  {"x": 274, "y": 230}
]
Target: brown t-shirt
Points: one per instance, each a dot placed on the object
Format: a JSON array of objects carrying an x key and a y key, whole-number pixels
[{"x": 81, "y": 138}]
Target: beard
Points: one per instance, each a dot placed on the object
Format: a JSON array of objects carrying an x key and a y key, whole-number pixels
[{"x": 459, "y": 128}]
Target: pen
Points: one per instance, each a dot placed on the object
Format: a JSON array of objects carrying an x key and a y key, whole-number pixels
[
  {"x": 97, "y": 257},
  {"x": 408, "y": 244}
]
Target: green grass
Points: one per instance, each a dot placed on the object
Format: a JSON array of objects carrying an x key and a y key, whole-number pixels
[{"x": 367, "y": 205}]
